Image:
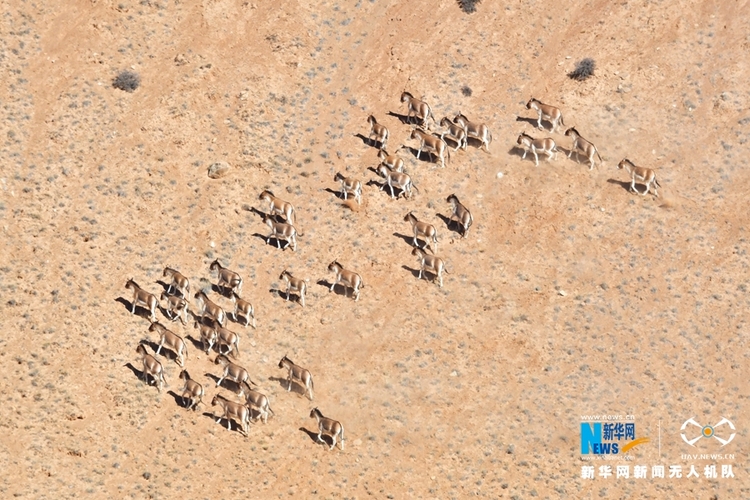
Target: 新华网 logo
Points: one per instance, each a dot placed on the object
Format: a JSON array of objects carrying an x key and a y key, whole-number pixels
[{"x": 609, "y": 438}]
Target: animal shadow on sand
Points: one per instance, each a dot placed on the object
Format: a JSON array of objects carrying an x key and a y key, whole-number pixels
[
  {"x": 518, "y": 151},
  {"x": 451, "y": 224},
  {"x": 153, "y": 346},
  {"x": 474, "y": 142},
  {"x": 165, "y": 313},
  {"x": 261, "y": 214},
  {"x": 257, "y": 212},
  {"x": 369, "y": 142},
  {"x": 140, "y": 311},
  {"x": 623, "y": 184},
  {"x": 150, "y": 380},
  {"x": 414, "y": 272},
  {"x": 314, "y": 436},
  {"x": 214, "y": 378},
  {"x": 293, "y": 297},
  {"x": 453, "y": 144},
  {"x": 224, "y": 292},
  {"x": 165, "y": 352},
  {"x": 166, "y": 286},
  {"x": 283, "y": 383},
  {"x": 404, "y": 119},
  {"x": 178, "y": 399},
  {"x": 233, "y": 426},
  {"x": 274, "y": 242},
  {"x": 382, "y": 185},
  {"x": 430, "y": 158},
  {"x": 339, "y": 289},
  {"x": 197, "y": 343},
  {"x": 337, "y": 194},
  {"x": 328, "y": 440},
  {"x": 575, "y": 155},
  {"x": 546, "y": 126},
  {"x": 138, "y": 373},
  {"x": 229, "y": 385},
  {"x": 410, "y": 241}
]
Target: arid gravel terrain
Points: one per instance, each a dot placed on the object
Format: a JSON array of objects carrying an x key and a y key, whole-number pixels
[{"x": 570, "y": 296}]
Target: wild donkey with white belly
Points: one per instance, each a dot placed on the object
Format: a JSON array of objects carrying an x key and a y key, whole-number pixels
[
  {"x": 348, "y": 279},
  {"x": 299, "y": 375},
  {"x": 546, "y": 112}
]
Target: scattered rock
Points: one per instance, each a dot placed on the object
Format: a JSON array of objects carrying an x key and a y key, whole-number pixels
[{"x": 218, "y": 170}]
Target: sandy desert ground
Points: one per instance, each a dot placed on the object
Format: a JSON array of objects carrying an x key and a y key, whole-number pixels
[{"x": 570, "y": 297}]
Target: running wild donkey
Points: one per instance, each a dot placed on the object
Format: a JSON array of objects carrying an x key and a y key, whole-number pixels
[
  {"x": 233, "y": 411},
  {"x": 460, "y": 215},
  {"x": 423, "y": 230},
  {"x": 378, "y": 131},
  {"x": 430, "y": 264},
  {"x": 278, "y": 206},
  {"x": 179, "y": 282},
  {"x": 296, "y": 285},
  {"x": 581, "y": 145},
  {"x": 281, "y": 231},
  {"x": 329, "y": 427},
  {"x": 417, "y": 108},
  {"x": 546, "y": 112},
  {"x": 349, "y": 186},
  {"x": 431, "y": 143},
  {"x": 142, "y": 297},
  {"x": 643, "y": 175},
  {"x": 349, "y": 279},
  {"x": 206, "y": 307},
  {"x": 478, "y": 131},
  {"x": 172, "y": 341},
  {"x": 243, "y": 309},
  {"x": 397, "y": 180},
  {"x": 228, "y": 280},
  {"x": 299, "y": 375},
  {"x": 546, "y": 146},
  {"x": 151, "y": 366},
  {"x": 192, "y": 392}
]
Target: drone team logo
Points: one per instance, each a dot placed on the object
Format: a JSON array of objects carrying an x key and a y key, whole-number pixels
[{"x": 709, "y": 431}]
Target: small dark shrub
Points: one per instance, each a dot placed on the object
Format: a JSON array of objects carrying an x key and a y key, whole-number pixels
[
  {"x": 127, "y": 81},
  {"x": 468, "y": 6},
  {"x": 466, "y": 91},
  {"x": 584, "y": 69}
]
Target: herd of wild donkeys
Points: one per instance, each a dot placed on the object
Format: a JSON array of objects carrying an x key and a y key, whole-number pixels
[{"x": 210, "y": 318}]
